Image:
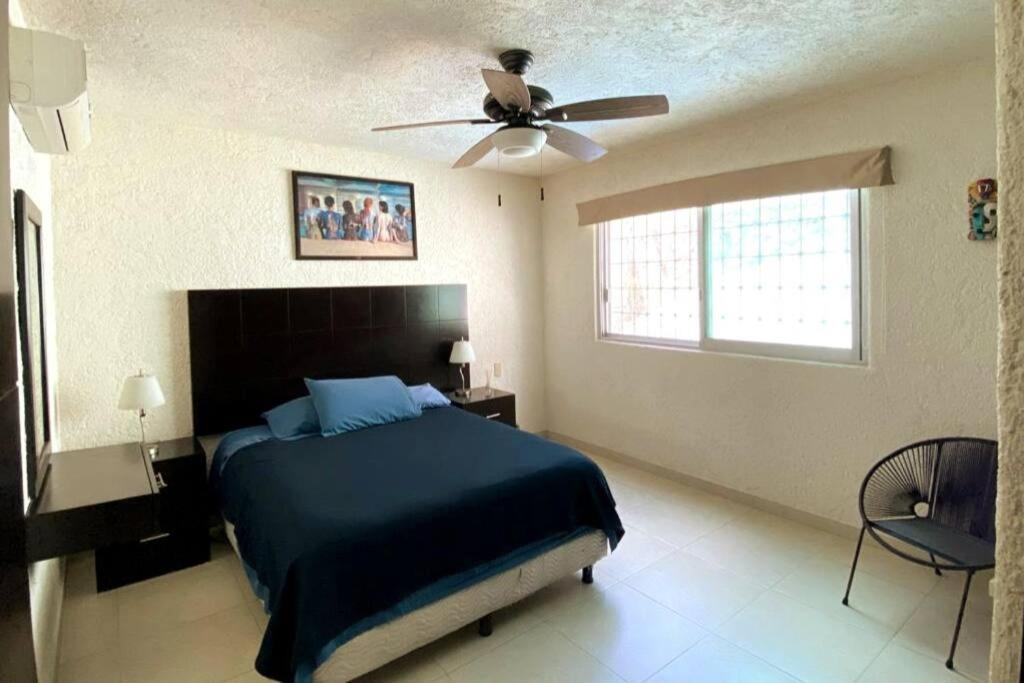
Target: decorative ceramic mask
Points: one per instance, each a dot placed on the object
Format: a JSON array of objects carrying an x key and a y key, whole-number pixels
[{"x": 982, "y": 197}]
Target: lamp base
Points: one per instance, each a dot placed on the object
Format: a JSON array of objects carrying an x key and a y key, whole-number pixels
[{"x": 463, "y": 393}]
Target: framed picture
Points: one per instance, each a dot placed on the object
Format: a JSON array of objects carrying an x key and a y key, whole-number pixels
[{"x": 343, "y": 217}]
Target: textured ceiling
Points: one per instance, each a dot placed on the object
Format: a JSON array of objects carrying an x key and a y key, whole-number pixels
[{"x": 328, "y": 71}]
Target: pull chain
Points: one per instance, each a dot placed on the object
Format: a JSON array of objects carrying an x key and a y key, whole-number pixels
[
  {"x": 499, "y": 177},
  {"x": 542, "y": 174}
]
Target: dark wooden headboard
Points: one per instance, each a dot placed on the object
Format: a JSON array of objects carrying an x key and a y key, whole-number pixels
[{"x": 251, "y": 348}]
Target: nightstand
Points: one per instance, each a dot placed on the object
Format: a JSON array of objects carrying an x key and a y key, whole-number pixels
[
  {"x": 181, "y": 538},
  {"x": 499, "y": 405},
  {"x": 91, "y": 498}
]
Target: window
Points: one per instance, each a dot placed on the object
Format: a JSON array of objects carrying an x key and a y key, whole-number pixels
[
  {"x": 652, "y": 277},
  {"x": 778, "y": 276}
]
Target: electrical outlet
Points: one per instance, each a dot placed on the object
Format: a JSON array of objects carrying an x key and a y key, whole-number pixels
[{"x": 497, "y": 370}]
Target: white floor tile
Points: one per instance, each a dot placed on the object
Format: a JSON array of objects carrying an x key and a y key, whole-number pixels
[
  {"x": 695, "y": 588},
  {"x": 875, "y": 604},
  {"x": 743, "y": 549},
  {"x": 419, "y": 666},
  {"x": 100, "y": 667},
  {"x": 88, "y": 625},
  {"x": 677, "y": 525},
  {"x": 165, "y": 602},
  {"x": 626, "y": 496},
  {"x": 214, "y": 648},
  {"x": 636, "y": 550},
  {"x": 802, "y": 641},
  {"x": 897, "y": 663},
  {"x": 714, "y": 660},
  {"x": 541, "y": 655},
  {"x": 885, "y": 565},
  {"x": 930, "y": 631},
  {"x": 630, "y": 633}
]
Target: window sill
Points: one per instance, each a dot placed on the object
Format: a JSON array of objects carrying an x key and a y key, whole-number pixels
[{"x": 695, "y": 347}]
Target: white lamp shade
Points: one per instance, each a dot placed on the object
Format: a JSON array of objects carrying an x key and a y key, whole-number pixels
[
  {"x": 519, "y": 142},
  {"x": 140, "y": 392},
  {"x": 462, "y": 352}
]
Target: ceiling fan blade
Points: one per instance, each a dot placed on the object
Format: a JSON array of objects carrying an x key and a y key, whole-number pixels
[
  {"x": 428, "y": 124},
  {"x": 509, "y": 89},
  {"x": 610, "y": 108},
  {"x": 574, "y": 144},
  {"x": 475, "y": 153}
]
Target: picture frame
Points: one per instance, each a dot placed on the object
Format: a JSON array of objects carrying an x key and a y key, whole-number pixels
[{"x": 337, "y": 217}]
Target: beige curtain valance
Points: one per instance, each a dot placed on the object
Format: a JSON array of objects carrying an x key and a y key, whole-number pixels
[{"x": 868, "y": 168}]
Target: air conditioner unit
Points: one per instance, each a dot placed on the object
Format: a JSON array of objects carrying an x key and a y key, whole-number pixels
[{"x": 48, "y": 90}]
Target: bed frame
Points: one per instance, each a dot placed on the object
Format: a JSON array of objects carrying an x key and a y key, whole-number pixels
[{"x": 250, "y": 350}]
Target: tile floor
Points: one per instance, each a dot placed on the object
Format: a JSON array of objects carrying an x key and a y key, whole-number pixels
[{"x": 701, "y": 589}]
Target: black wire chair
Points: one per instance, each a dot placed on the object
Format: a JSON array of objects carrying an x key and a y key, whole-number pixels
[{"x": 938, "y": 496}]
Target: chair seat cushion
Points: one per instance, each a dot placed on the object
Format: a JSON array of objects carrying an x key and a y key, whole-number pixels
[{"x": 946, "y": 542}]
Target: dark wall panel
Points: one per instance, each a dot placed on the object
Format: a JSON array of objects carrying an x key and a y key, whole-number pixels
[{"x": 252, "y": 348}]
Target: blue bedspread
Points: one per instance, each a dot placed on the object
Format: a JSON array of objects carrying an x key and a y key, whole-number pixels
[{"x": 347, "y": 532}]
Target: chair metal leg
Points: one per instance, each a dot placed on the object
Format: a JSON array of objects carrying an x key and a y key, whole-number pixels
[
  {"x": 588, "y": 574},
  {"x": 856, "y": 556},
  {"x": 938, "y": 572},
  {"x": 959, "y": 619},
  {"x": 485, "y": 626}
]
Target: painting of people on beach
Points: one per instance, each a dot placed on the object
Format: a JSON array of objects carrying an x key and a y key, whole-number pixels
[{"x": 341, "y": 217}]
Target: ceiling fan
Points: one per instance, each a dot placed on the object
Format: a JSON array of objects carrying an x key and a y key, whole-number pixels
[{"x": 525, "y": 112}]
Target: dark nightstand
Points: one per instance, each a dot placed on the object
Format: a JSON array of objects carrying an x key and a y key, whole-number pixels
[
  {"x": 181, "y": 538},
  {"x": 91, "y": 498},
  {"x": 499, "y": 405}
]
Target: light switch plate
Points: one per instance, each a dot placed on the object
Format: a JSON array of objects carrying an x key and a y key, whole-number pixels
[{"x": 497, "y": 370}]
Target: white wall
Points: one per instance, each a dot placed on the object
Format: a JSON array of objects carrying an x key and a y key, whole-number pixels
[
  {"x": 801, "y": 434},
  {"x": 150, "y": 210}
]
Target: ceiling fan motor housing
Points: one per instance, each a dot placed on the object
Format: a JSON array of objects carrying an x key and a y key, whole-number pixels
[{"x": 540, "y": 101}]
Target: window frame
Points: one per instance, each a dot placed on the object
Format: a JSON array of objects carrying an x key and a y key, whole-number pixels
[
  {"x": 852, "y": 356},
  {"x": 604, "y": 261}
]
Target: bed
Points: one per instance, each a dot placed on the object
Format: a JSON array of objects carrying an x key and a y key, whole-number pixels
[{"x": 369, "y": 544}]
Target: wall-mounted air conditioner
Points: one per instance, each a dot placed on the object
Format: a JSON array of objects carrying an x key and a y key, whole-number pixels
[{"x": 48, "y": 90}]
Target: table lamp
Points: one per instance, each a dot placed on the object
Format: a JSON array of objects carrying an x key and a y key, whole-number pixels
[
  {"x": 141, "y": 392},
  {"x": 462, "y": 355}
]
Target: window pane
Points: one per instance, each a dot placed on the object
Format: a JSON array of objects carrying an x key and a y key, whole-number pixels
[
  {"x": 652, "y": 276},
  {"x": 779, "y": 270}
]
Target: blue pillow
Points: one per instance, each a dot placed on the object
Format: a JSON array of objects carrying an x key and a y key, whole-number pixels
[
  {"x": 426, "y": 396},
  {"x": 293, "y": 420},
  {"x": 345, "y": 405}
]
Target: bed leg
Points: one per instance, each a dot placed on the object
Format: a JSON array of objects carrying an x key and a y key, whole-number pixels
[
  {"x": 485, "y": 626},
  {"x": 588, "y": 574}
]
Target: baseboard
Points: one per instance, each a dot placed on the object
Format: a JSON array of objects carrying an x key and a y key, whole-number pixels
[{"x": 809, "y": 518}]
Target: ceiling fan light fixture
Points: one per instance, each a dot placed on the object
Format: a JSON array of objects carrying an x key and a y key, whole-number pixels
[{"x": 519, "y": 142}]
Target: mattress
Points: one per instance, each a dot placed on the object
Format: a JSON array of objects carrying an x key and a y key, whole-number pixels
[
  {"x": 389, "y": 641},
  {"x": 343, "y": 534}
]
